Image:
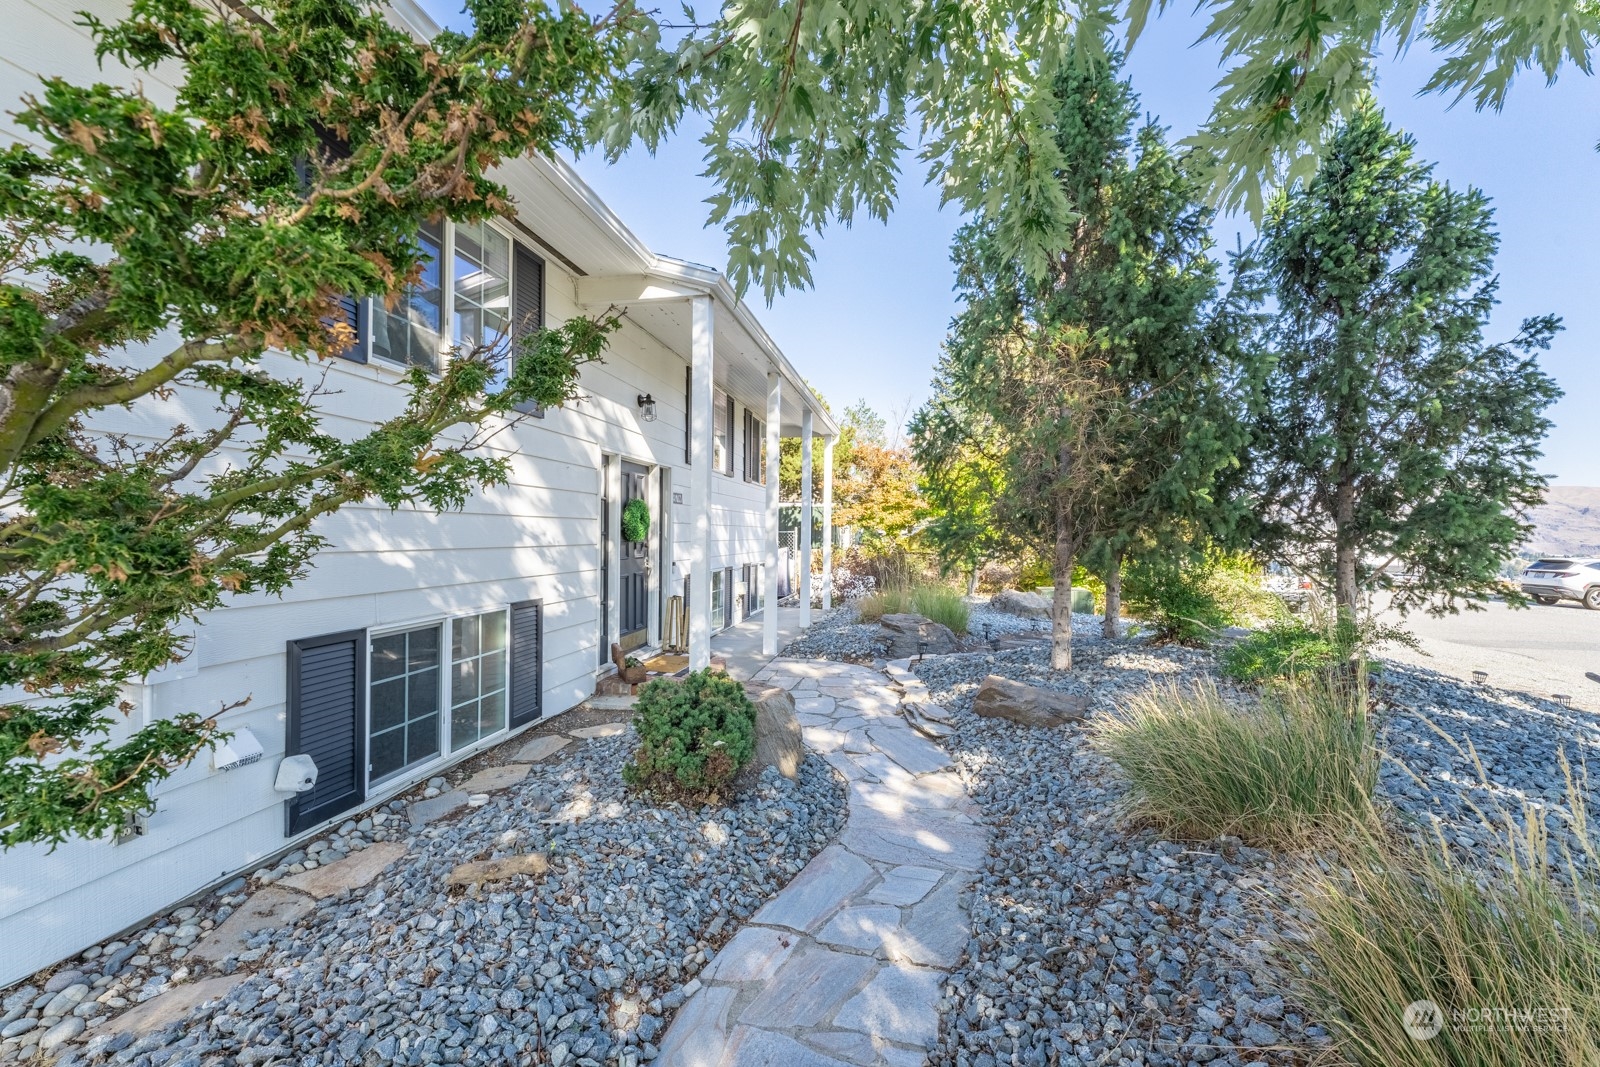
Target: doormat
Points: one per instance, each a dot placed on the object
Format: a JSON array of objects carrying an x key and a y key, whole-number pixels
[{"x": 666, "y": 664}]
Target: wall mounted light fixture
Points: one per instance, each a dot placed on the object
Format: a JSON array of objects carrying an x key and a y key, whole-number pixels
[{"x": 647, "y": 407}]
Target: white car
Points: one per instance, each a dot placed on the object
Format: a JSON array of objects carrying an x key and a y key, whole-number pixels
[{"x": 1551, "y": 580}]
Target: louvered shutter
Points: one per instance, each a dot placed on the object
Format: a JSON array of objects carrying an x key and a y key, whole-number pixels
[
  {"x": 353, "y": 312},
  {"x": 327, "y": 680},
  {"x": 729, "y": 402},
  {"x": 527, "y": 305},
  {"x": 527, "y": 666}
]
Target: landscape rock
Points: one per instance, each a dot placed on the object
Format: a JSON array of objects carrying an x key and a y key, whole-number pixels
[
  {"x": 912, "y": 635},
  {"x": 498, "y": 870},
  {"x": 1017, "y": 602},
  {"x": 1027, "y": 705},
  {"x": 778, "y": 740}
]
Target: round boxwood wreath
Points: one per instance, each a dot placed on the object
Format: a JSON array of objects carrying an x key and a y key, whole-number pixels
[{"x": 635, "y": 520}]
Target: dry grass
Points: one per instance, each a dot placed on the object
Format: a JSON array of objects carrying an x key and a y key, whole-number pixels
[
  {"x": 938, "y": 603},
  {"x": 1297, "y": 767},
  {"x": 1511, "y": 957}
]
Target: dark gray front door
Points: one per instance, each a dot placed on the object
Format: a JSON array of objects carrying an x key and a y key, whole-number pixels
[{"x": 634, "y": 568}]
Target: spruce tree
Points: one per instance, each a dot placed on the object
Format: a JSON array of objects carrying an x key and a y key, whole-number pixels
[
  {"x": 1390, "y": 431},
  {"x": 1101, "y": 387}
]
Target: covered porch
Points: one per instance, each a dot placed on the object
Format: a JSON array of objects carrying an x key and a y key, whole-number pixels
[{"x": 728, "y": 517}]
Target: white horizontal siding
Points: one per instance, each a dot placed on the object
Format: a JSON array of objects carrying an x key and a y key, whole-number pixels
[{"x": 536, "y": 537}]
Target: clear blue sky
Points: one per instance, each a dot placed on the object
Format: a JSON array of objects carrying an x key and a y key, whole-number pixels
[{"x": 872, "y": 325}]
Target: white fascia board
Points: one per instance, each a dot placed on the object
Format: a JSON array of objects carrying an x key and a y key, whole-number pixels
[{"x": 716, "y": 283}]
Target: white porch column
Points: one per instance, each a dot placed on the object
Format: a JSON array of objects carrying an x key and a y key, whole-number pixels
[
  {"x": 701, "y": 445},
  {"x": 805, "y": 517},
  {"x": 769, "y": 613},
  {"x": 827, "y": 523}
]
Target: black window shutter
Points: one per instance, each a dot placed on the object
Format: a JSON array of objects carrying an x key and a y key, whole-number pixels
[
  {"x": 730, "y": 436},
  {"x": 688, "y": 416},
  {"x": 527, "y": 666},
  {"x": 727, "y": 596},
  {"x": 527, "y": 304},
  {"x": 327, "y": 680},
  {"x": 748, "y": 419},
  {"x": 353, "y": 312}
]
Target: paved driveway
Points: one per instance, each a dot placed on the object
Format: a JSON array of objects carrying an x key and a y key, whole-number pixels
[{"x": 1540, "y": 650}]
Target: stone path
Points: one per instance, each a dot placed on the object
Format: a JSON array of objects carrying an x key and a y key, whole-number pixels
[{"x": 847, "y": 964}]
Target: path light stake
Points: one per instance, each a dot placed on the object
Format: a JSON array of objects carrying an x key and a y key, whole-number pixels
[
  {"x": 1480, "y": 677},
  {"x": 922, "y": 650},
  {"x": 988, "y": 634}
]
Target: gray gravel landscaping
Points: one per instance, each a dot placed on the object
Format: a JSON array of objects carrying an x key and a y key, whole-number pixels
[
  {"x": 585, "y": 963},
  {"x": 840, "y": 635},
  {"x": 1094, "y": 942},
  {"x": 1098, "y": 942}
]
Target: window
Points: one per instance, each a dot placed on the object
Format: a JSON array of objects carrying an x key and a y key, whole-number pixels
[
  {"x": 477, "y": 678},
  {"x": 721, "y": 442},
  {"x": 755, "y": 448},
  {"x": 481, "y": 284},
  {"x": 404, "y": 706},
  {"x": 410, "y": 332},
  {"x": 716, "y": 600}
]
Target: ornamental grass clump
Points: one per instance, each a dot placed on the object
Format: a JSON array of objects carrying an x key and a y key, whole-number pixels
[
  {"x": 1417, "y": 961},
  {"x": 1296, "y": 766},
  {"x": 694, "y": 736}
]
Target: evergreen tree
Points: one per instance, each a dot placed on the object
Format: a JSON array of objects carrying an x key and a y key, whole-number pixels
[
  {"x": 1101, "y": 386},
  {"x": 1390, "y": 431}
]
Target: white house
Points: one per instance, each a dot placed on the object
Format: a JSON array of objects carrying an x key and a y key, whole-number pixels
[{"x": 422, "y": 638}]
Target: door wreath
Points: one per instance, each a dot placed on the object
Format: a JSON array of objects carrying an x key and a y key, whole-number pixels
[{"x": 635, "y": 520}]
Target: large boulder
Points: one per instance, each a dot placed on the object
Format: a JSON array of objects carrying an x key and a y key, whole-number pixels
[
  {"x": 778, "y": 741},
  {"x": 1016, "y": 602},
  {"x": 911, "y": 635},
  {"x": 1030, "y": 705}
]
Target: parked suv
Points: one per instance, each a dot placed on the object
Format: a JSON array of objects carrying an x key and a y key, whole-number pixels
[{"x": 1551, "y": 580}]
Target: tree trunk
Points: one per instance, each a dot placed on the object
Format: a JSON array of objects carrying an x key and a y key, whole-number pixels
[
  {"x": 1111, "y": 627},
  {"x": 972, "y": 582},
  {"x": 1061, "y": 600},
  {"x": 1346, "y": 594}
]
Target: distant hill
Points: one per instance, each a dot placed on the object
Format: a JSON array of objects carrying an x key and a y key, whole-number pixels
[{"x": 1567, "y": 523}]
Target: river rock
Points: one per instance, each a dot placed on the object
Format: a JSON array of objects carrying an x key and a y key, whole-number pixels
[
  {"x": 1029, "y": 705},
  {"x": 1016, "y": 602},
  {"x": 778, "y": 742}
]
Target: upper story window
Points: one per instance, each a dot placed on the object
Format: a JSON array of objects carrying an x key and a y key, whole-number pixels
[
  {"x": 722, "y": 442},
  {"x": 410, "y": 331},
  {"x": 481, "y": 283},
  {"x": 478, "y": 288}
]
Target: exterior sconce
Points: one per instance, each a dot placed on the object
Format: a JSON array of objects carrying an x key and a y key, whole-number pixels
[{"x": 647, "y": 407}]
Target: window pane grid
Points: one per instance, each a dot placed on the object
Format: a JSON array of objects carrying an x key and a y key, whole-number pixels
[
  {"x": 477, "y": 678},
  {"x": 409, "y": 333},
  {"x": 481, "y": 270},
  {"x": 404, "y": 700}
]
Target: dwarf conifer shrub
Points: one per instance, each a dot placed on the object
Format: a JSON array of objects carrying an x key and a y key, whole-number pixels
[{"x": 694, "y": 735}]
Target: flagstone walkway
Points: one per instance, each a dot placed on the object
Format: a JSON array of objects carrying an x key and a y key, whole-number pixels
[{"x": 847, "y": 964}]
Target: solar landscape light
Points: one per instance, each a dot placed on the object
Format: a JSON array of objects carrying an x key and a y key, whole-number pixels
[
  {"x": 1564, "y": 699},
  {"x": 1480, "y": 677}
]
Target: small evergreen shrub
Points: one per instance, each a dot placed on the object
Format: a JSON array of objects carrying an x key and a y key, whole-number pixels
[
  {"x": 1288, "y": 648},
  {"x": 694, "y": 735},
  {"x": 1191, "y": 601},
  {"x": 1283, "y": 649}
]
